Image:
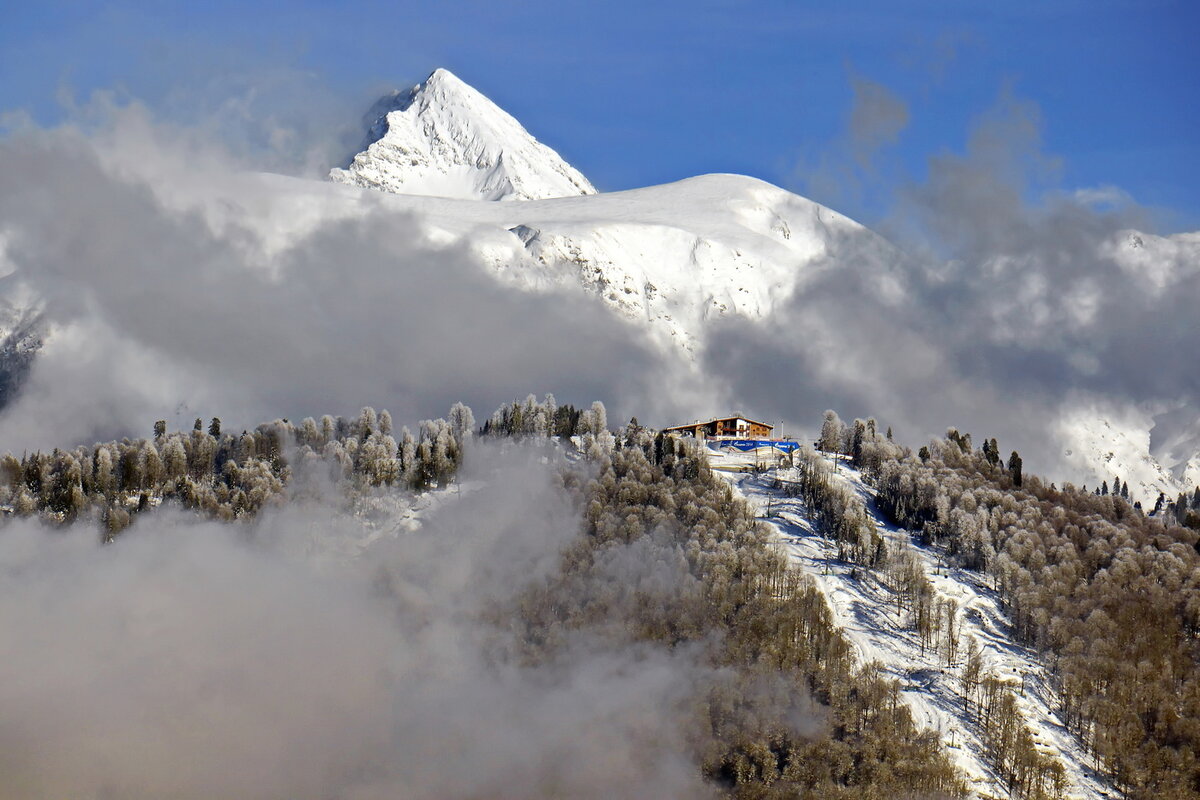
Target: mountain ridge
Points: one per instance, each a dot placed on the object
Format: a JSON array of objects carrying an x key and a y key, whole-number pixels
[{"x": 680, "y": 256}]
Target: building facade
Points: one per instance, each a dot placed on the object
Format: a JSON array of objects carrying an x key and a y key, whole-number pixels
[{"x": 736, "y": 426}]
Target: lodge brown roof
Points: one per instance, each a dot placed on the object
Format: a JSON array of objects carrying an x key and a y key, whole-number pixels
[{"x": 718, "y": 419}]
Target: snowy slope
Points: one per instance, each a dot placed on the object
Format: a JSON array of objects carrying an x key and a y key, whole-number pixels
[
  {"x": 444, "y": 138},
  {"x": 1105, "y": 443},
  {"x": 864, "y": 609},
  {"x": 671, "y": 260},
  {"x": 672, "y": 257}
]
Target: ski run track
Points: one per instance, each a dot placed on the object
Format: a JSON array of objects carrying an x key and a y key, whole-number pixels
[{"x": 865, "y": 609}]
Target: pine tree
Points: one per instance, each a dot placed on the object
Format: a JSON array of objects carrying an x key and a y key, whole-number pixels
[
  {"x": 857, "y": 436},
  {"x": 160, "y": 429},
  {"x": 131, "y": 475},
  {"x": 1014, "y": 468},
  {"x": 214, "y": 428}
]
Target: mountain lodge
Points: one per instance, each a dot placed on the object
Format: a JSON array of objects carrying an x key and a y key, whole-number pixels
[{"x": 736, "y": 426}]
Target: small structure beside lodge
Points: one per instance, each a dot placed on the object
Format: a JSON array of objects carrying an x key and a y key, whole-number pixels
[{"x": 737, "y": 427}]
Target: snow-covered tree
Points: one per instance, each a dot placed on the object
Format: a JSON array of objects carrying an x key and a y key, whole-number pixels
[
  {"x": 831, "y": 432},
  {"x": 599, "y": 418},
  {"x": 368, "y": 422},
  {"x": 152, "y": 466},
  {"x": 462, "y": 423},
  {"x": 551, "y": 407},
  {"x": 174, "y": 458}
]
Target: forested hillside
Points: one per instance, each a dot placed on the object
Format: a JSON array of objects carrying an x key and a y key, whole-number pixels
[
  {"x": 786, "y": 712},
  {"x": 668, "y": 558},
  {"x": 665, "y": 560},
  {"x": 1108, "y": 595}
]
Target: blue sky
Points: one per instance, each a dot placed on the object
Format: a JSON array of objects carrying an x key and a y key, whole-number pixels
[{"x": 636, "y": 93}]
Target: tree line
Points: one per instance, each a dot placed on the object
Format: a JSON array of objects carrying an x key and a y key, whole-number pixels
[{"x": 230, "y": 476}]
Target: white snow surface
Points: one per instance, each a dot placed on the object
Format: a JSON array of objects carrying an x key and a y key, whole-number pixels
[
  {"x": 865, "y": 611},
  {"x": 444, "y": 138},
  {"x": 1103, "y": 443},
  {"x": 673, "y": 257},
  {"x": 669, "y": 258}
]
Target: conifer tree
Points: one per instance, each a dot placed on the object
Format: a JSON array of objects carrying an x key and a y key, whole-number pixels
[{"x": 1014, "y": 468}]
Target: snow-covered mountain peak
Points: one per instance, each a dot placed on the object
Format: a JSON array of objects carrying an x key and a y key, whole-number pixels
[{"x": 444, "y": 138}]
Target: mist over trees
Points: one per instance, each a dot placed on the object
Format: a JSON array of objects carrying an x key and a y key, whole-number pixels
[
  {"x": 231, "y": 476},
  {"x": 666, "y": 558}
]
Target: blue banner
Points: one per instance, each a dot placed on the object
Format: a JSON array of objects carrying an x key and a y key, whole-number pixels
[{"x": 747, "y": 445}]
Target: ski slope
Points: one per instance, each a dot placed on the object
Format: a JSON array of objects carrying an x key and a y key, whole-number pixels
[{"x": 866, "y": 611}]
